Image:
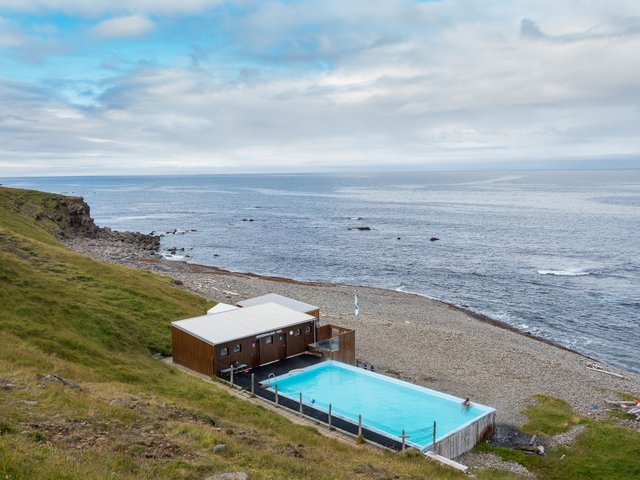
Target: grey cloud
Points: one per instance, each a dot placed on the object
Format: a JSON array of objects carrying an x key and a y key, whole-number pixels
[
  {"x": 10, "y": 34},
  {"x": 529, "y": 29},
  {"x": 466, "y": 90}
]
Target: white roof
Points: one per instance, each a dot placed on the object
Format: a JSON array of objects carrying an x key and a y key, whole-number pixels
[
  {"x": 221, "y": 307},
  {"x": 280, "y": 300},
  {"x": 240, "y": 323}
]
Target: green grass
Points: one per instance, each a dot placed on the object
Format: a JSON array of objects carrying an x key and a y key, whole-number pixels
[
  {"x": 549, "y": 416},
  {"x": 98, "y": 325},
  {"x": 604, "y": 450}
]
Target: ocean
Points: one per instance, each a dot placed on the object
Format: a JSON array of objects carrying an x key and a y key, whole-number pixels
[{"x": 552, "y": 253}]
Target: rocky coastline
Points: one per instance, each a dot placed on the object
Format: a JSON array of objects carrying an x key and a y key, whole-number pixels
[
  {"x": 77, "y": 230},
  {"x": 404, "y": 335}
]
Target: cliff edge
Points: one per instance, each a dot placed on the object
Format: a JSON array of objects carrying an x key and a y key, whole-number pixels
[{"x": 69, "y": 219}]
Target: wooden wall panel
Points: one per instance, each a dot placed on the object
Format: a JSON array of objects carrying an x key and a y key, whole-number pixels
[
  {"x": 464, "y": 440},
  {"x": 323, "y": 332},
  {"x": 269, "y": 352},
  {"x": 191, "y": 352},
  {"x": 249, "y": 354},
  {"x": 251, "y": 349},
  {"x": 298, "y": 343},
  {"x": 315, "y": 313},
  {"x": 347, "y": 353},
  {"x": 308, "y": 337}
]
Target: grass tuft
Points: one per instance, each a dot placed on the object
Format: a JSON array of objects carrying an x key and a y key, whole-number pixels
[{"x": 549, "y": 416}]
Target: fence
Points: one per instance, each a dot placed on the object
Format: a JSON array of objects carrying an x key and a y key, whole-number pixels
[{"x": 450, "y": 446}]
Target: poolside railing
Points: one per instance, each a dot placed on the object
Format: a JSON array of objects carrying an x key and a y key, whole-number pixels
[
  {"x": 449, "y": 446},
  {"x": 351, "y": 426}
]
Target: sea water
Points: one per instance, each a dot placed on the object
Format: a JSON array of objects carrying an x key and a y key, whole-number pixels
[{"x": 555, "y": 254}]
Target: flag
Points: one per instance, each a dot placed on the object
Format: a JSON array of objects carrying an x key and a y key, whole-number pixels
[{"x": 355, "y": 304}]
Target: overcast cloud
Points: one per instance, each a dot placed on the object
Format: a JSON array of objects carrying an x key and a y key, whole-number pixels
[{"x": 198, "y": 86}]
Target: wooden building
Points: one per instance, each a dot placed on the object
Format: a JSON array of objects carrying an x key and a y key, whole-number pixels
[{"x": 252, "y": 335}]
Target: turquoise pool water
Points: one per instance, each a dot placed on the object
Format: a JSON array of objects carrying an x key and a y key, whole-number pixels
[{"x": 387, "y": 405}]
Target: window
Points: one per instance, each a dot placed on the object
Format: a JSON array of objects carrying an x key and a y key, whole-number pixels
[
  {"x": 237, "y": 347},
  {"x": 307, "y": 329},
  {"x": 297, "y": 332},
  {"x": 268, "y": 340},
  {"x": 224, "y": 351}
]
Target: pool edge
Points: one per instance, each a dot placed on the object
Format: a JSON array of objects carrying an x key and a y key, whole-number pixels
[{"x": 451, "y": 445}]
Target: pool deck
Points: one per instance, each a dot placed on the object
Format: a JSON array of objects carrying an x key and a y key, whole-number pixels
[{"x": 302, "y": 361}]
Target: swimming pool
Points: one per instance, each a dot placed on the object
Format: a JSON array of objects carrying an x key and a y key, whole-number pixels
[{"x": 387, "y": 405}]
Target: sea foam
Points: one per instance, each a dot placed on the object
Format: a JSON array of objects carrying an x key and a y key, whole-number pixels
[{"x": 570, "y": 272}]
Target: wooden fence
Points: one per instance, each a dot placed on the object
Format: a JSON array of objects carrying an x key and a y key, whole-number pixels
[{"x": 462, "y": 441}]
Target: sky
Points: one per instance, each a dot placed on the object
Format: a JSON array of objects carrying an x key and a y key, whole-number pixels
[{"x": 98, "y": 87}]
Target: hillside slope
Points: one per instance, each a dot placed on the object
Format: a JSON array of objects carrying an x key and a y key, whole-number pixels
[{"x": 120, "y": 413}]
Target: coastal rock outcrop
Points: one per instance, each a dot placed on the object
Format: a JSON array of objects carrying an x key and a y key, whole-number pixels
[
  {"x": 78, "y": 216},
  {"x": 69, "y": 218}
]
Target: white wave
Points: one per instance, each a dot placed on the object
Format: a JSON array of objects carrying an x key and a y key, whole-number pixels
[
  {"x": 135, "y": 217},
  {"x": 569, "y": 272},
  {"x": 177, "y": 258},
  {"x": 501, "y": 178}
]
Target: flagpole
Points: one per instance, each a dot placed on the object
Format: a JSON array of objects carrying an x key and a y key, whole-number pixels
[{"x": 356, "y": 305}]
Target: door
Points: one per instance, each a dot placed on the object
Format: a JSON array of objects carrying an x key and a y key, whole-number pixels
[
  {"x": 282, "y": 340},
  {"x": 256, "y": 354},
  {"x": 269, "y": 349}
]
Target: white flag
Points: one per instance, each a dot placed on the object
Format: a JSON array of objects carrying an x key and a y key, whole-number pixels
[{"x": 355, "y": 304}]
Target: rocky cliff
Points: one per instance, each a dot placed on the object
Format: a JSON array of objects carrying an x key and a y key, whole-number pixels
[{"x": 70, "y": 219}]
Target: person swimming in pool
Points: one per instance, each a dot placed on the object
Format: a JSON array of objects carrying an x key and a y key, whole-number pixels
[{"x": 466, "y": 403}]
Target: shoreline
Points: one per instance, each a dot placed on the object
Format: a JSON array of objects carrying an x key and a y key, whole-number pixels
[
  {"x": 410, "y": 336},
  {"x": 202, "y": 268}
]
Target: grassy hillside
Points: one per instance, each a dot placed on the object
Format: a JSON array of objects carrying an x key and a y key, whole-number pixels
[{"x": 97, "y": 325}]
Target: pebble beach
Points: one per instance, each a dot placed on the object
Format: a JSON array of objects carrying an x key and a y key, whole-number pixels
[{"x": 411, "y": 337}]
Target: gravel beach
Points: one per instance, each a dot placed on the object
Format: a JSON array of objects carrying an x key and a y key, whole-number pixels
[{"x": 412, "y": 337}]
